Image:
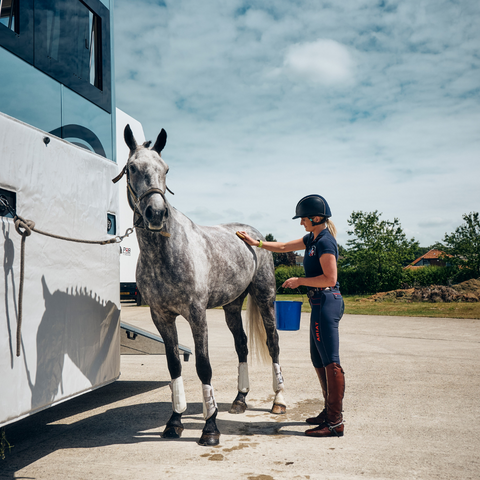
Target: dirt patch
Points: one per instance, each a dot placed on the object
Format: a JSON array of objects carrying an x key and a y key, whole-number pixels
[
  {"x": 470, "y": 286},
  {"x": 468, "y": 291}
]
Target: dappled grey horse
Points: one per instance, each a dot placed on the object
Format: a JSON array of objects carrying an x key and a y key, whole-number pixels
[{"x": 184, "y": 269}]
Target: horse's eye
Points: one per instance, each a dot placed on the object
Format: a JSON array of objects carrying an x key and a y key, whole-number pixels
[
  {"x": 168, "y": 169},
  {"x": 132, "y": 169}
]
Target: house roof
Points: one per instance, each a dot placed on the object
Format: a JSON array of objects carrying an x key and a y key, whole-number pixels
[{"x": 432, "y": 254}]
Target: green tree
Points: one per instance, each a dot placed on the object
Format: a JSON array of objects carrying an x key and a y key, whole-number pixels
[
  {"x": 464, "y": 245},
  {"x": 375, "y": 255},
  {"x": 287, "y": 259}
]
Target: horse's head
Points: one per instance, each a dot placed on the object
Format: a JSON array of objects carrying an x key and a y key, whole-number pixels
[{"x": 146, "y": 179}]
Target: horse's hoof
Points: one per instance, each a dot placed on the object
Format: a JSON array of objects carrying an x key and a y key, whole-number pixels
[
  {"x": 238, "y": 407},
  {"x": 172, "y": 432},
  {"x": 278, "y": 409},
  {"x": 209, "y": 439}
]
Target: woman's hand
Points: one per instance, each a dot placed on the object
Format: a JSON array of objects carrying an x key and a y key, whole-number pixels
[
  {"x": 247, "y": 238},
  {"x": 292, "y": 283}
]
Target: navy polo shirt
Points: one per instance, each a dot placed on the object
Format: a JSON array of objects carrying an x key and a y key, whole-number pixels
[{"x": 315, "y": 248}]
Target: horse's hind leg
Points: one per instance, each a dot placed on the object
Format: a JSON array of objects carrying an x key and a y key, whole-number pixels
[
  {"x": 263, "y": 292},
  {"x": 233, "y": 317},
  {"x": 168, "y": 331}
]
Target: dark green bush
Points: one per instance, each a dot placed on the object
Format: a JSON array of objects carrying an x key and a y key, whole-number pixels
[
  {"x": 354, "y": 281},
  {"x": 425, "y": 276},
  {"x": 357, "y": 282},
  {"x": 283, "y": 273}
]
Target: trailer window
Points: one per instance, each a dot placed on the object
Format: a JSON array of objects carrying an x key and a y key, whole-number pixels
[
  {"x": 69, "y": 40},
  {"x": 72, "y": 45},
  {"x": 72, "y": 38},
  {"x": 9, "y": 15}
]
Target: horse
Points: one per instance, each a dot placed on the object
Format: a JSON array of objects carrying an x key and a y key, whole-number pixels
[{"x": 185, "y": 269}]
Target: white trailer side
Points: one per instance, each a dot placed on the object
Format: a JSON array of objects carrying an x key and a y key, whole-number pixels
[{"x": 71, "y": 304}]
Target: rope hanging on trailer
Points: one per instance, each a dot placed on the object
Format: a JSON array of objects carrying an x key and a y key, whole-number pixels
[{"x": 25, "y": 228}]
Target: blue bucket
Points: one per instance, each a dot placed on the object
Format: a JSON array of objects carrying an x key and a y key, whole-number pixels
[{"x": 287, "y": 314}]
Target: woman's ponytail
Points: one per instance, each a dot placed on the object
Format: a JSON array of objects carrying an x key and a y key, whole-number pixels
[{"x": 331, "y": 228}]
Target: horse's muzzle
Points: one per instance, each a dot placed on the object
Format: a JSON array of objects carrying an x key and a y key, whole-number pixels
[{"x": 155, "y": 217}]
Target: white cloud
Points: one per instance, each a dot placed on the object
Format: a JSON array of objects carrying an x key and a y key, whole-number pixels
[{"x": 323, "y": 61}]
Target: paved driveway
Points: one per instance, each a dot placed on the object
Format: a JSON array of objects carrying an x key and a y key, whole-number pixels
[{"x": 412, "y": 411}]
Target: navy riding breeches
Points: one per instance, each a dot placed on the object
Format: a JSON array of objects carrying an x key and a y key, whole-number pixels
[{"x": 327, "y": 310}]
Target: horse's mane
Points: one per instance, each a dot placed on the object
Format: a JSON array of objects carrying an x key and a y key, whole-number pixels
[{"x": 147, "y": 144}]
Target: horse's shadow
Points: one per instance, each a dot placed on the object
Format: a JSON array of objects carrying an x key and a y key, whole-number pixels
[
  {"x": 64, "y": 322},
  {"x": 35, "y": 437}
]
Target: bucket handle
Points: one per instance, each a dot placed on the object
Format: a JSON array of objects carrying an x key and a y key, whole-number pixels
[{"x": 303, "y": 298}]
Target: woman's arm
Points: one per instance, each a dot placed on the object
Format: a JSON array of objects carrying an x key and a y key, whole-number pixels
[
  {"x": 327, "y": 279},
  {"x": 277, "y": 247}
]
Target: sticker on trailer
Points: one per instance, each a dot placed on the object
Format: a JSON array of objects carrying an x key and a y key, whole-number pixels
[{"x": 127, "y": 251}]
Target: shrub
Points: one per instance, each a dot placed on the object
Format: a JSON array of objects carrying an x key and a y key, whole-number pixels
[
  {"x": 358, "y": 281},
  {"x": 355, "y": 281},
  {"x": 283, "y": 273},
  {"x": 426, "y": 276}
]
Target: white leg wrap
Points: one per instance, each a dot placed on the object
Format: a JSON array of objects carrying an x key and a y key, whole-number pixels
[
  {"x": 179, "y": 401},
  {"x": 278, "y": 385},
  {"x": 279, "y": 399},
  {"x": 243, "y": 382},
  {"x": 277, "y": 377},
  {"x": 209, "y": 403}
]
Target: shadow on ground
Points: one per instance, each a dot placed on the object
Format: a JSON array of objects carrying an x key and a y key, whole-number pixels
[{"x": 37, "y": 436}]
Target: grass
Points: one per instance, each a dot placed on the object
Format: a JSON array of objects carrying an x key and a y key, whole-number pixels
[{"x": 361, "y": 305}]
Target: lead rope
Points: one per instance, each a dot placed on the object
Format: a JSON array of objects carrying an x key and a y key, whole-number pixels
[{"x": 25, "y": 228}]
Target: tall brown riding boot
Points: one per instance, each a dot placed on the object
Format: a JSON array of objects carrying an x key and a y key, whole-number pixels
[
  {"x": 333, "y": 426},
  {"x": 322, "y": 416}
]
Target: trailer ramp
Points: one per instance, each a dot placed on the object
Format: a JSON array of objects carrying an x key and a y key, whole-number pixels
[{"x": 136, "y": 341}]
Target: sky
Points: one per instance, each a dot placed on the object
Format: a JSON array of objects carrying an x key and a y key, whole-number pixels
[{"x": 374, "y": 105}]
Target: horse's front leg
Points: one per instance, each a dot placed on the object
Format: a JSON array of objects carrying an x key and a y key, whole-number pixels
[
  {"x": 210, "y": 434},
  {"x": 168, "y": 331}
]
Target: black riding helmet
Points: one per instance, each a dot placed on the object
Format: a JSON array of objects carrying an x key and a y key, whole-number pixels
[{"x": 312, "y": 206}]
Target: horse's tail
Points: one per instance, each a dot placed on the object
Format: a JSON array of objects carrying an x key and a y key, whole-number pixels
[{"x": 257, "y": 336}]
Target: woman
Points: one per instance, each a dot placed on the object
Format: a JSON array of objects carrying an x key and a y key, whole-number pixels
[{"x": 320, "y": 263}]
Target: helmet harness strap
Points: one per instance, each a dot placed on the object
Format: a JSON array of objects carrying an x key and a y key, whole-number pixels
[{"x": 323, "y": 220}]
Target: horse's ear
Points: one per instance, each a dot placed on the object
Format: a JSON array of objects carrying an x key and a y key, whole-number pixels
[
  {"x": 160, "y": 142},
  {"x": 129, "y": 138},
  {"x": 46, "y": 291}
]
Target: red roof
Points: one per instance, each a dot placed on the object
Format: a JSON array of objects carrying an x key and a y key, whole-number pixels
[{"x": 432, "y": 254}]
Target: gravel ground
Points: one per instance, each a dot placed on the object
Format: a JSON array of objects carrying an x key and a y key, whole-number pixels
[{"x": 412, "y": 411}]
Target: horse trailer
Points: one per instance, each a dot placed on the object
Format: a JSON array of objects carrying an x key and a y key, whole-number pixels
[
  {"x": 60, "y": 323},
  {"x": 57, "y": 156}
]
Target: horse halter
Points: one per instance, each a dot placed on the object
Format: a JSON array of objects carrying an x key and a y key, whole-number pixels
[{"x": 134, "y": 200}]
